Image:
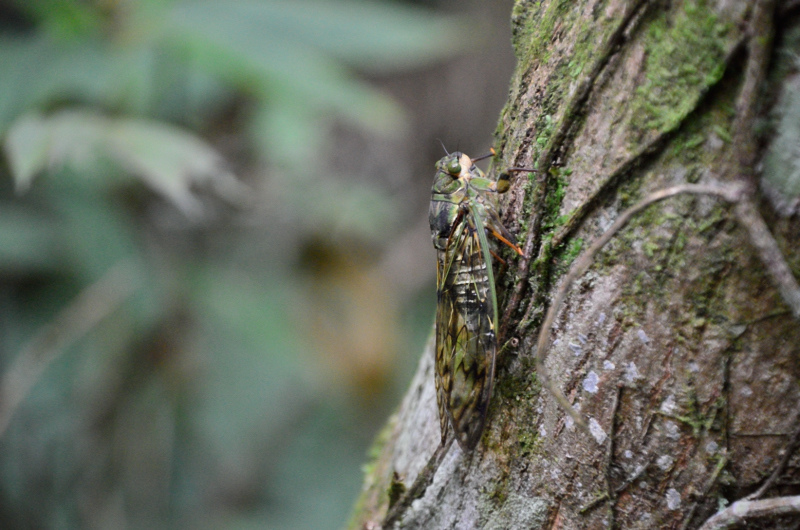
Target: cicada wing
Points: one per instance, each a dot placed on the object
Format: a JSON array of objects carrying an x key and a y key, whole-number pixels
[
  {"x": 444, "y": 315},
  {"x": 465, "y": 333}
]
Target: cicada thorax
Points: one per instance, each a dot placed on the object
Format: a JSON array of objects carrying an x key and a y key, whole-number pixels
[{"x": 462, "y": 213}]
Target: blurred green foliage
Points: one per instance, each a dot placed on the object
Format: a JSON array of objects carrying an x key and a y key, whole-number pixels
[{"x": 205, "y": 399}]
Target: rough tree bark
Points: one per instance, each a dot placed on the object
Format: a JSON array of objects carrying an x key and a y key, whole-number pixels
[{"x": 677, "y": 346}]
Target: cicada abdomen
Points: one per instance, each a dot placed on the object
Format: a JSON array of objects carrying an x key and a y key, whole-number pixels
[{"x": 462, "y": 213}]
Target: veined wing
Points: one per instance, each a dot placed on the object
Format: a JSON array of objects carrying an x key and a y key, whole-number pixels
[{"x": 465, "y": 330}]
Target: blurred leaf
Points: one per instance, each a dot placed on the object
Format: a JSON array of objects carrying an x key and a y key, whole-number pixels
[
  {"x": 168, "y": 159},
  {"x": 376, "y": 36},
  {"x": 64, "y": 17},
  {"x": 34, "y": 143},
  {"x": 171, "y": 160},
  {"x": 287, "y": 133},
  {"x": 298, "y": 48},
  {"x": 363, "y": 211},
  {"x": 252, "y": 356},
  {"x": 27, "y": 240},
  {"x": 371, "y": 35},
  {"x": 26, "y": 150},
  {"x": 296, "y": 53},
  {"x": 37, "y": 70},
  {"x": 267, "y": 66}
]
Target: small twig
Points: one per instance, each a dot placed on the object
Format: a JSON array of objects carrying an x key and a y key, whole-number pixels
[
  {"x": 744, "y": 510},
  {"x": 787, "y": 455},
  {"x": 90, "y": 306},
  {"x": 761, "y": 434},
  {"x": 421, "y": 483},
  {"x": 768, "y": 316},
  {"x": 759, "y": 48},
  {"x": 585, "y": 260},
  {"x": 770, "y": 254}
]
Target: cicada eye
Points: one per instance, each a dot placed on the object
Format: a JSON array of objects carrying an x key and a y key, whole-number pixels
[{"x": 453, "y": 167}]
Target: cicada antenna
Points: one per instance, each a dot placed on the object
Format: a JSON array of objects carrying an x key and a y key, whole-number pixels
[
  {"x": 491, "y": 153},
  {"x": 443, "y": 147}
]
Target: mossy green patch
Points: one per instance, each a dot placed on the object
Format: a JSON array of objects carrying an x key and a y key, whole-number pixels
[
  {"x": 571, "y": 251},
  {"x": 685, "y": 54},
  {"x": 535, "y": 30},
  {"x": 534, "y": 33},
  {"x": 557, "y": 191},
  {"x": 375, "y": 450},
  {"x": 529, "y": 442},
  {"x": 723, "y": 133},
  {"x": 696, "y": 418},
  {"x": 370, "y": 469},
  {"x": 396, "y": 489}
]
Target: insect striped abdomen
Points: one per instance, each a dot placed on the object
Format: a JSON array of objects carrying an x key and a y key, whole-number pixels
[{"x": 468, "y": 370}]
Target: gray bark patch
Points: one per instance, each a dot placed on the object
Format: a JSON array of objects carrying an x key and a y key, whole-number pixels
[{"x": 519, "y": 512}]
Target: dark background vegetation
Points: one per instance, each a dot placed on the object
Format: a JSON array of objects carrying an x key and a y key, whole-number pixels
[{"x": 216, "y": 272}]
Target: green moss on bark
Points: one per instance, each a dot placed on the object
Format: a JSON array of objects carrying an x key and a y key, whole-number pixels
[{"x": 683, "y": 51}]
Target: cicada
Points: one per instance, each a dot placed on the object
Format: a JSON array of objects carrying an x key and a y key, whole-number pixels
[{"x": 463, "y": 216}]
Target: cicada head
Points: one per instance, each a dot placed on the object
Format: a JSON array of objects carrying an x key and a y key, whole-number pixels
[
  {"x": 449, "y": 189},
  {"x": 448, "y": 178}
]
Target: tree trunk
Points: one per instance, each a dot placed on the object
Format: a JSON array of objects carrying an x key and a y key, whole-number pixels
[{"x": 677, "y": 346}]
